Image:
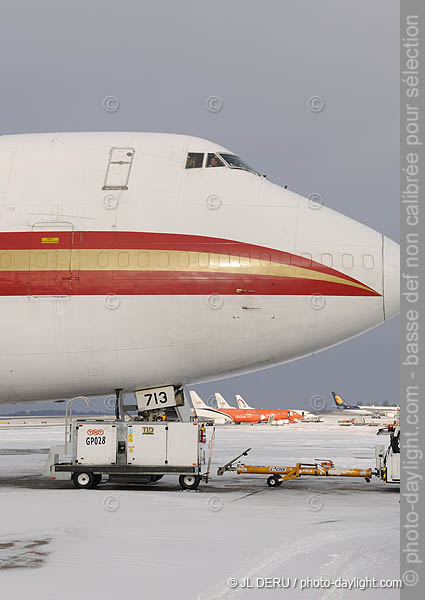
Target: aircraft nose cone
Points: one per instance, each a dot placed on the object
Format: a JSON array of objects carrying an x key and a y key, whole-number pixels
[{"x": 391, "y": 266}]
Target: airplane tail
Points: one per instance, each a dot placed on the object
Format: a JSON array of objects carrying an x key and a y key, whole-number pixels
[
  {"x": 241, "y": 403},
  {"x": 221, "y": 402},
  {"x": 197, "y": 402},
  {"x": 340, "y": 402}
]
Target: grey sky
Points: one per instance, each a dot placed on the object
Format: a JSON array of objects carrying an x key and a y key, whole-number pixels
[{"x": 59, "y": 60}]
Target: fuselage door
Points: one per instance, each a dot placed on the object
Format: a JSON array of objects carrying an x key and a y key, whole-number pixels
[
  {"x": 118, "y": 169},
  {"x": 51, "y": 256}
]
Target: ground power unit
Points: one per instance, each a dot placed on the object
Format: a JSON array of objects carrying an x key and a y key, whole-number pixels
[{"x": 129, "y": 451}]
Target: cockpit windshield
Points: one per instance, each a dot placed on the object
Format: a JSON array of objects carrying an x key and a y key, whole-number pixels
[
  {"x": 237, "y": 163},
  {"x": 214, "y": 161},
  {"x": 199, "y": 160}
]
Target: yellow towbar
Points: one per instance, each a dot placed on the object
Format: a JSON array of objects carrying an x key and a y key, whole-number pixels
[{"x": 278, "y": 474}]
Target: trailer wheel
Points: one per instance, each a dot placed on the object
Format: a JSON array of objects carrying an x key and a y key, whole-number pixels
[
  {"x": 189, "y": 482},
  {"x": 83, "y": 480},
  {"x": 273, "y": 481}
]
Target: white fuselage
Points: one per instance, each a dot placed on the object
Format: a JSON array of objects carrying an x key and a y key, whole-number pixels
[
  {"x": 210, "y": 415},
  {"x": 350, "y": 412},
  {"x": 380, "y": 409},
  {"x": 121, "y": 268}
]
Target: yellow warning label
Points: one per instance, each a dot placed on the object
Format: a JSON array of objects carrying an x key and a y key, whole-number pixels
[
  {"x": 130, "y": 437},
  {"x": 50, "y": 240}
]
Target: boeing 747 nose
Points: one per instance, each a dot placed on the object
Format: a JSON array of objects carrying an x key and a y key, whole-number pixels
[{"x": 133, "y": 260}]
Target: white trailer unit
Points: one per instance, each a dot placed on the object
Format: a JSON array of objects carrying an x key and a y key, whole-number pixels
[{"x": 129, "y": 451}]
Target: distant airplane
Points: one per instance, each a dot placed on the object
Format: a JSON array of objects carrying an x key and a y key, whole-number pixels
[
  {"x": 223, "y": 415},
  {"x": 207, "y": 413},
  {"x": 252, "y": 415},
  {"x": 388, "y": 411},
  {"x": 276, "y": 413},
  {"x": 232, "y": 415},
  {"x": 362, "y": 409}
]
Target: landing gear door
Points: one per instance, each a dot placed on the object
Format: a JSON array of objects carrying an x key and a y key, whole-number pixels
[{"x": 51, "y": 259}]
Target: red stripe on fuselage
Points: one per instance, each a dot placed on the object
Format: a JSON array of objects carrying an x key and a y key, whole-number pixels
[
  {"x": 53, "y": 283},
  {"x": 129, "y": 240}
]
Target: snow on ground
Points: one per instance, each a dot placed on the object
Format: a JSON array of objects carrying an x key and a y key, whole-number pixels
[{"x": 159, "y": 541}]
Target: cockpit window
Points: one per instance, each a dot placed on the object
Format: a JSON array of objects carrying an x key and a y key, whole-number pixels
[
  {"x": 194, "y": 160},
  {"x": 214, "y": 161},
  {"x": 237, "y": 163}
]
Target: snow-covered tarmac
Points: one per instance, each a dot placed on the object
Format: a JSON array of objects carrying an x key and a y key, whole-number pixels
[{"x": 158, "y": 541}]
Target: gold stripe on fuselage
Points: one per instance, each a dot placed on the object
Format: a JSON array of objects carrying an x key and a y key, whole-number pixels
[{"x": 156, "y": 260}]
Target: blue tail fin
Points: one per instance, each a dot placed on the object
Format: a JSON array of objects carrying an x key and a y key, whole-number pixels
[{"x": 340, "y": 402}]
